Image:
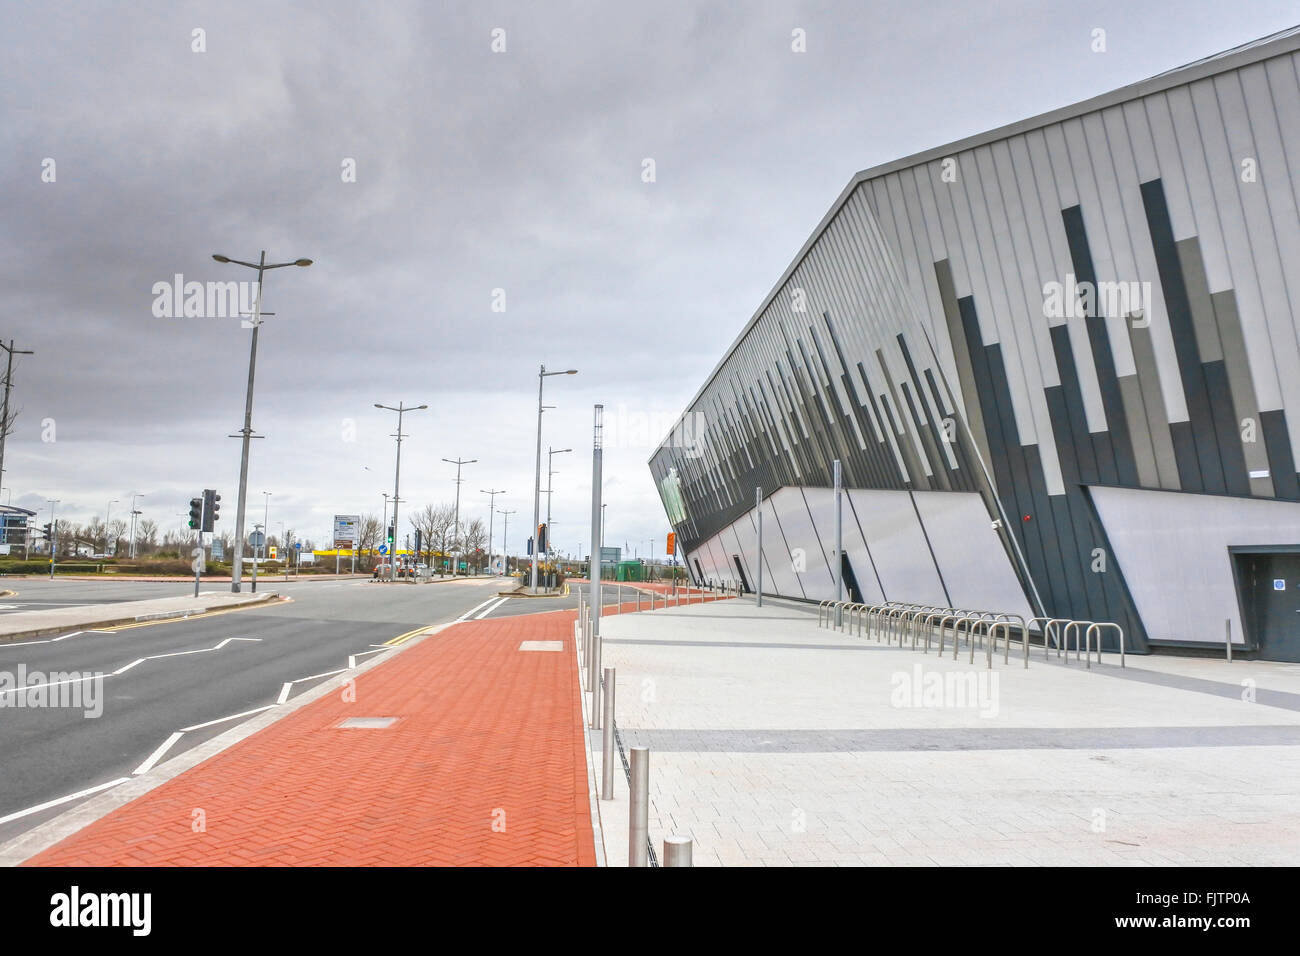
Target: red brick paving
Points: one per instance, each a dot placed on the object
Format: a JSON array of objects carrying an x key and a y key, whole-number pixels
[{"x": 486, "y": 734}]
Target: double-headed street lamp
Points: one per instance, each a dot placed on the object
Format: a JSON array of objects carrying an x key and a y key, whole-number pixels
[
  {"x": 237, "y": 566},
  {"x": 401, "y": 410},
  {"x": 542, "y": 375}
]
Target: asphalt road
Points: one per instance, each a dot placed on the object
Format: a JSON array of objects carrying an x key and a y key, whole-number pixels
[{"x": 50, "y": 753}]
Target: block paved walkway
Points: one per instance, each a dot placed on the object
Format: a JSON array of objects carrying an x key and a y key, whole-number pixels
[{"x": 484, "y": 766}]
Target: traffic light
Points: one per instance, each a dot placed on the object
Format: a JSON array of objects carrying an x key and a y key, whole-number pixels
[
  {"x": 530, "y": 546},
  {"x": 196, "y": 513},
  {"x": 48, "y": 531},
  {"x": 541, "y": 538},
  {"x": 390, "y": 534},
  {"x": 211, "y": 508},
  {"x": 417, "y": 540}
]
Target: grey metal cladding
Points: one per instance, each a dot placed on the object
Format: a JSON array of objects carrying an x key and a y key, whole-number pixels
[{"x": 924, "y": 294}]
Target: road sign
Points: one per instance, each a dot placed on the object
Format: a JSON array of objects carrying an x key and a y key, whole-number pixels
[
  {"x": 297, "y": 545},
  {"x": 271, "y": 551},
  {"x": 257, "y": 539},
  {"x": 383, "y": 549},
  {"x": 218, "y": 550},
  {"x": 347, "y": 529}
]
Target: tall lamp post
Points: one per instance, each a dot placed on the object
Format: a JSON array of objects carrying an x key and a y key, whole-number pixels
[
  {"x": 134, "y": 514},
  {"x": 460, "y": 550},
  {"x": 542, "y": 375},
  {"x": 505, "y": 535},
  {"x": 492, "y": 497},
  {"x": 4, "y": 413},
  {"x": 246, "y": 433},
  {"x": 550, "y": 470},
  {"x": 401, "y": 410}
]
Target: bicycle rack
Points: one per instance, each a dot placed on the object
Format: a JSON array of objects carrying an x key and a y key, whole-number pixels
[{"x": 1088, "y": 640}]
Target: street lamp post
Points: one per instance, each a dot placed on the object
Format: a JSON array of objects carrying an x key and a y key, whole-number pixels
[
  {"x": 492, "y": 497},
  {"x": 460, "y": 548},
  {"x": 4, "y": 413},
  {"x": 550, "y": 470},
  {"x": 134, "y": 513},
  {"x": 542, "y": 375},
  {"x": 401, "y": 410},
  {"x": 505, "y": 535},
  {"x": 246, "y": 433}
]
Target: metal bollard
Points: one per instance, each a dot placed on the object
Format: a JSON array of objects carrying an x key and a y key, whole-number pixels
[
  {"x": 677, "y": 851},
  {"x": 1227, "y": 624},
  {"x": 607, "y": 740},
  {"x": 593, "y": 681},
  {"x": 639, "y": 808}
]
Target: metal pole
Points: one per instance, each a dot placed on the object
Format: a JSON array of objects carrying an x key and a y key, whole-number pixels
[
  {"x": 54, "y": 537},
  {"x": 1227, "y": 639},
  {"x": 607, "y": 740},
  {"x": 758, "y": 504},
  {"x": 677, "y": 851},
  {"x": 256, "y": 555},
  {"x": 839, "y": 544},
  {"x": 597, "y": 513},
  {"x": 537, "y": 478},
  {"x": 246, "y": 433},
  {"x": 397, "y": 480},
  {"x": 639, "y": 808},
  {"x": 4, "y": 415}
]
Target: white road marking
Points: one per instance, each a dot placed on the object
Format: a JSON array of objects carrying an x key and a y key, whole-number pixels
[
  {"x": 123, "y": 670},
  {"x": 489, "y": 610},
  {"x": 56, "y": 683},
  {"x": 284, "y": 692},
  {"x": 54, "y": 803},
  {"x": 352, "y": 658},
  {"x": 222, "y": 720},
  {"x": 154, "y": 757},
  {"x": 477, "y": 607}
]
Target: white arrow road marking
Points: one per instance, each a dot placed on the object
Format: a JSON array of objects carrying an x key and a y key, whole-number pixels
[{"x": 54, "y": 803}]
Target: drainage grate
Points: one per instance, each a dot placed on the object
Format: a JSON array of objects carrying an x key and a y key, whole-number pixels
[{"x": 366, "y": 723}]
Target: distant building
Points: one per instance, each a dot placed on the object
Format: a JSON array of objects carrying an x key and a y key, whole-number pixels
[
  {"x": 14, "y": 526},
  {"x": 1060, "y": 365}
]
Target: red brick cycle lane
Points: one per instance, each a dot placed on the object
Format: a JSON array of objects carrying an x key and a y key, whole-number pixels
[{"x": 484, "y": 765}]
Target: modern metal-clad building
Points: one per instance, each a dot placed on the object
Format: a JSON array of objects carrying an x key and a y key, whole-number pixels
[{"x": 1059, "y": 363}]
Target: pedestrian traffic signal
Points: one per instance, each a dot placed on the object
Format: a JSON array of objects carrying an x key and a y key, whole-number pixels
[
  {"x": 196, "y": 513},
  {"x": 211, "y": 507}
]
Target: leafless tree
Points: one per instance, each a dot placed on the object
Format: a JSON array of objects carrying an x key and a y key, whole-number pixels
[
  {"x": 475, "y": 540},
  {"x": 146, "y": 536}
]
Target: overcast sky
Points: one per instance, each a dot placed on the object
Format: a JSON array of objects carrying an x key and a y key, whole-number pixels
[{"x": 475, "y": 171}]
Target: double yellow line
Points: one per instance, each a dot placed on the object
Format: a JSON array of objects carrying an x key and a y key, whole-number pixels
[{"x": 403, "y": 638}]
